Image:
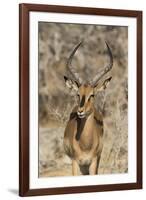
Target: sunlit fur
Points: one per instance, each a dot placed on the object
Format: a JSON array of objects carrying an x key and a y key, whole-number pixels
[{"x": 83, "y": 133}]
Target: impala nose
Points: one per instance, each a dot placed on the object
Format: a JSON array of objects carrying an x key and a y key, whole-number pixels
[{"x": 81, "y": 112}]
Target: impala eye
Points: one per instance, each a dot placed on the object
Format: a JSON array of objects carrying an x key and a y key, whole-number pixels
[{"x": 91, "y": 97}]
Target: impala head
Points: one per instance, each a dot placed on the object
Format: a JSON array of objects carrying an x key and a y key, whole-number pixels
[{"x": 86, "y": 92}]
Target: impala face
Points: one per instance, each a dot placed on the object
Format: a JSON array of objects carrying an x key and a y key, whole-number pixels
[{"x": 85, "y": 95}]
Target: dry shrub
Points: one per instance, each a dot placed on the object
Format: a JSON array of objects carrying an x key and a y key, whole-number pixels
[{"x": 55, "y": 102}]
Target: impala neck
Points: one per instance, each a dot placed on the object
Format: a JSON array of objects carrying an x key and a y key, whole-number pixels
[{"x": 81, "y": 123}]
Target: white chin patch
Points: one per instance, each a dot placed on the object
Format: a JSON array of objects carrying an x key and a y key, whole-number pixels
[{"x": 81, "y": 116}]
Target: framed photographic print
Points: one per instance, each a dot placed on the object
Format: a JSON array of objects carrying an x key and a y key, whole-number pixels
[{"x": 80, "y": 99}]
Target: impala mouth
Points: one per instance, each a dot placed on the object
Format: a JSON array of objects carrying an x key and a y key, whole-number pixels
[{"x": 81, "y": 115}]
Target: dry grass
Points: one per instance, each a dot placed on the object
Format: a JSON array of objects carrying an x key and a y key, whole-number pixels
[{"x": 55, "y": 102}]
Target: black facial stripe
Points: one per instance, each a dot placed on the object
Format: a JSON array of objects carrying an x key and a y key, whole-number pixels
[{"x": 82, "y": 101}]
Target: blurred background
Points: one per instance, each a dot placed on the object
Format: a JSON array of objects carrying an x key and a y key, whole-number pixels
[{"x": 56, "y": 41}]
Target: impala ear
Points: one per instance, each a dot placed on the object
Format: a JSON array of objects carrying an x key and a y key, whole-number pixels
[
  {"x": 102, "y": 86},
  {"x": 72, "y": 85}
]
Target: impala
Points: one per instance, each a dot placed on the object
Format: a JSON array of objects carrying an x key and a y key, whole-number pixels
[{"x": 83, "y": 137}]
